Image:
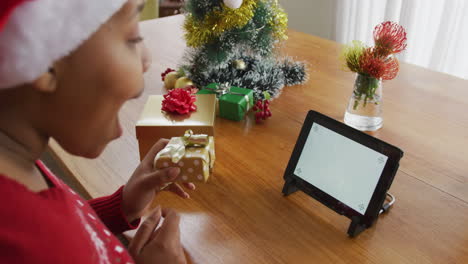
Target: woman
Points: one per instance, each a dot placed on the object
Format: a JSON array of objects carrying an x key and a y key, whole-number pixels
[{"x": 66, "y": 68}]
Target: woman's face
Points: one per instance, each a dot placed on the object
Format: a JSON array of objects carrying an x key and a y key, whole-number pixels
[{"x": 94, "y": 82}]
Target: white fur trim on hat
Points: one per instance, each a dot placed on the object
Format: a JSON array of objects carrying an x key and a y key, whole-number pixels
[{"x": 40, "y": 32}]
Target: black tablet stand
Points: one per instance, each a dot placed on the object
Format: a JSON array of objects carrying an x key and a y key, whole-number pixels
[
  {"x": 289, "y": 187},
  {"x": 355, "y": 228}
]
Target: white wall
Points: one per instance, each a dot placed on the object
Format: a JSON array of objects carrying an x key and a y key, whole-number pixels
[{"x": 314, "y": 17}]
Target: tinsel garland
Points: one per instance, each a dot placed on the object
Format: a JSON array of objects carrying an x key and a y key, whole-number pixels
[
  {"x": 255, "y": 36},
  {"x": 200, "y": 8},
  {"x": 261, "y": 74},
  {"x": 279, "y": 21},
  {"x": 294, "y": 72},
  {"x": 201, "y": 31}
]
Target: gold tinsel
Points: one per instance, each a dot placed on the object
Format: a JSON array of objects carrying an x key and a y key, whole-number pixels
[
  {"x": 200, "y": 32},
  {"x": 279, "y": 21}
]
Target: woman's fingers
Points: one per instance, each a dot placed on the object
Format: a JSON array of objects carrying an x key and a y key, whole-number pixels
[
  {"x": 164, "y": 179},
  {"x": 189, "y": 185},
  {"x": 177, "y": 189},
  {"x": 145, "y": 232},
  {"x": 159, "y": 179},
  {"x": 157, "y": 147},
  {"x": 169, "y": 232}
]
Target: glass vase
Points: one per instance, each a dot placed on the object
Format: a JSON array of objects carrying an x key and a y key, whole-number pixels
[{"x": 364, "y": 111}]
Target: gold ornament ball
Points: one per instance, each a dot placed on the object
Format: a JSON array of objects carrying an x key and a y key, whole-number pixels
[
  {"x": 183, "y": 82},
  {"x": 240, "y": 64},
  {"x": 170, "y": 80}
]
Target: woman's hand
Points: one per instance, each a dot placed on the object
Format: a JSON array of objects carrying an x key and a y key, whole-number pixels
[
  {"x": 162, "y": 245},
  {"x": 146, "y": 182}
]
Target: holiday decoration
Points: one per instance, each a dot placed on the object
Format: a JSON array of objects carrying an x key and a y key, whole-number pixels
[
  {"x": 154, "y": 124},
  {"x": 240, "y": 65},
  {"x": 234, "y": 4},
  {"x": 234, "y": 102},
  {"x": 262, "y": 110},
  {"x": 167, "y": 71},
  {"x": 372, "y": 65},
  {"x": 192, "y": 89},
  {"x": 179, "y": 101},
  {"x": 204, "y": 24},
  {"x": 193, "y": 154},
  {"x": 183, "y": 82},
  {"x": 170, "y": 80},
  {"x": 36, "y": 34},
  {"x": 236, "y": 45},
  {"x": 170, "y": 77}
]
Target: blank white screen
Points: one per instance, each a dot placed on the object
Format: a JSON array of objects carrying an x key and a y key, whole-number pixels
[{"x": 340, "y": 167}]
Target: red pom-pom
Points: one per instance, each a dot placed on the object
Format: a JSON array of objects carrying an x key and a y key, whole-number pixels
[
  {"x": 179, "y": 101},
  {"x": 168, "y": 70}
]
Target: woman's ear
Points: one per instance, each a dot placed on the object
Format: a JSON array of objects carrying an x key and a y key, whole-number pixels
[{"x": 47, "y": 82}]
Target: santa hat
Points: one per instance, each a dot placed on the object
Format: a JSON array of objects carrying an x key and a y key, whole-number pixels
[{"x": 35, "y": 33}]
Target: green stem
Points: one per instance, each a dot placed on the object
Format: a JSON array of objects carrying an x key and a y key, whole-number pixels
[{"x": 364, "y": 86}]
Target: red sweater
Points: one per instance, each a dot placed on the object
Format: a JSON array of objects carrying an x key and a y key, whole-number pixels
[{"x": 58, "y": 226}]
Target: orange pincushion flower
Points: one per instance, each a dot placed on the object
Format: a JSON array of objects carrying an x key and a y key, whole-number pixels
[
  {"x": 372, "y": 64},
  {"x": 392, "y": 66},
  {"x": 390, "y": 38}
]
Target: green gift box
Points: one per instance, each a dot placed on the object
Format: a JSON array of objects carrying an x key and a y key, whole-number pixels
[{"x": 234, "y": 102}]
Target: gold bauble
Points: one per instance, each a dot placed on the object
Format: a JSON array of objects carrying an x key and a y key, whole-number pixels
[
  {"x": 183, "y": 82},
  {"x": 240, "y": 64},
  {"x": 170, "y": 80}
]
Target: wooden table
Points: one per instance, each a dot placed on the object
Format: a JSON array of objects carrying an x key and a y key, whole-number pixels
[{"x": 241, "y": 215}]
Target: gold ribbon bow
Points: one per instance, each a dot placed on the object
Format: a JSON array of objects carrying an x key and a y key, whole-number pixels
[
  {"x": 191, "y": 140},
  {"x": 176, "y": 146}
]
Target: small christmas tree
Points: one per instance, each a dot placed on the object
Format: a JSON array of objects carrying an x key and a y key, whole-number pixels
[{"x": 233, "y": 41}]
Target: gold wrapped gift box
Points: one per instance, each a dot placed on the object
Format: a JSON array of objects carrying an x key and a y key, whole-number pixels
[
  {"x": 193, "y": 154},
  {"x": 155, "y": 123}
]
